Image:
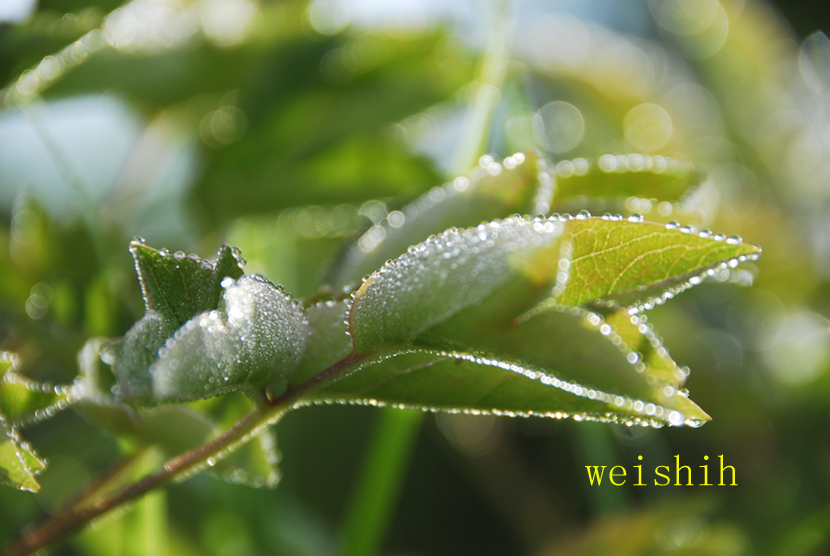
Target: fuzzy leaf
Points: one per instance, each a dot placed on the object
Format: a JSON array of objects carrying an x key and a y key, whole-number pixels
[
  {"x": 176, "y": 288},
  {"x": 467, "y": 201},
  {"x": 256, "y": 337},
  {"x": 132, "y": 356}
]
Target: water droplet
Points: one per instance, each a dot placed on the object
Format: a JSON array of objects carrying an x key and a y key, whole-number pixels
[{"x": 676, "y": 418}]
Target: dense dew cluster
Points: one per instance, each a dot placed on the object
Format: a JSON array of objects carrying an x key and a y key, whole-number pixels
[
  {"x": 257, "y": 336},
  {"x": 444, "y": 274}
]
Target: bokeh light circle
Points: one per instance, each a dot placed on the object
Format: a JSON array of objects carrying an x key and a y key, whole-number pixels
[
  {"x": 648, "y": 127},
  {"x": 558, "y": 126}
]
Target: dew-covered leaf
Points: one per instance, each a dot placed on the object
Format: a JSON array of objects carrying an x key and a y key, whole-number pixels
[
  {"x": 255, "y": 337},
  {"x": 490, "y": 191},
  {"x": 19, "y": 464},
  {"x": 328, "y": 342},
  {"x": 517, "y": 264},
  {"x": 205, "y": 333},
  {"x": 132, "y": 356},
  {"x": 611, "y": 257},
  {"x": 176, "y": 288},
  {"x": 509, "y": 295},
  {"x": 568, "y": 363}
]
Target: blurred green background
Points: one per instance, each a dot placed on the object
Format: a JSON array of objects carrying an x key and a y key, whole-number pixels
[{"x": 287, "y": 128}]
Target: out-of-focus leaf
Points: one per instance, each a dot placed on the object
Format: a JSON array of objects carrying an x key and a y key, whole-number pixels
[
  {"x": 814, "y": 59},
  {"x": 255, "y": 464},
  {"x": 311, "y": 138},
  {"x": 632, "y": 175},
  {"x": 160, "y": 78},
  {"x": 19, "y": 464},
  {"x": 490, "y": 192},
  {"x": 23, "y": 400},
  {"x": 678, "y": 529},
  {"x": 176, "y": 428}
]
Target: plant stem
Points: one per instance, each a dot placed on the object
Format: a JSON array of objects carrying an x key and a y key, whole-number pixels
[
  {"x": 371, "y": 507},
  {"x": 61, "y": 526},
  {"x": 181, "y": 466},
  {"x": 488, "y": 94}
]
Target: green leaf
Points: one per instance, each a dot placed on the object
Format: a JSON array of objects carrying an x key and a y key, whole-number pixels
[
  {"x": 628, "y": 175},
  {"x": 256, "y": 337},
  {"x": 485, "y": 194},
  {"x": 556, "y": 364},
  {"x": 23, "y": 400},
  {"x": 205, "y": 333},
  {"x": 497, "y": 310},
  {"x": 609, "y": 257},
  {"x": 329, "y": 340},
  {"x": 19, "y": 464},
  {"x": 176, "y": 288},
  {"x": 179, "y": 286}
]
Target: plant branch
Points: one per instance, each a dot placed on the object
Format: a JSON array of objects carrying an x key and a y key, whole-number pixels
[{"x": 180, "y": 467}]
